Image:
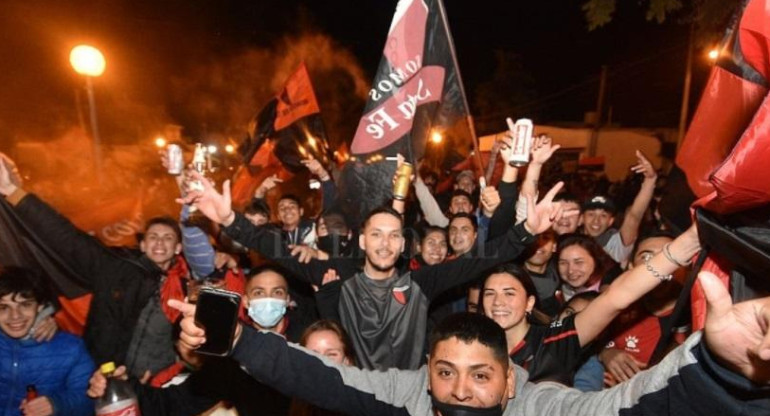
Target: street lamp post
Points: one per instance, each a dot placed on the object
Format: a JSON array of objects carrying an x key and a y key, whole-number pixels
[{"x": 89, "y": 62}]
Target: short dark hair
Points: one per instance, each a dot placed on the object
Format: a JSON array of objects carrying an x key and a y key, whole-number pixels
[
  {"x": 382, "y": 210},
  {"x": 470, "y": 327},
  {"x": 164, "y": 220},
  {"x": 649, "y": 235},
  {"x": 19, "y": 281},
  {"x": 517, "y": 272},
  {"x": 290, "y": 197},
  {"x": 566, "y": 197},
  {"x": 257, "y": 208},
  {"x": 470, "y": 217},
  {"x": 430, "y": 229},
  {"x": 460, "y": 192},
  {"x": 266, "y": 268},
  {"x": 333, "y": 326}
]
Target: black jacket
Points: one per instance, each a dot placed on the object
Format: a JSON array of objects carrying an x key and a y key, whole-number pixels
[{"x": 122, "y": 281}]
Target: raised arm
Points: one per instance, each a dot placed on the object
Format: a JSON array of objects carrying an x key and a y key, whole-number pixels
[
  {"x": 632, "y": 285},
  {"x": 436, "y": 279},
  {"x": 84, "y": 254},
  {"x": 725, "y": 370},
  {"x": 299, "y": 373},
  {"x": 542, "y": 150},
  {"x": 629, "y": 230}
]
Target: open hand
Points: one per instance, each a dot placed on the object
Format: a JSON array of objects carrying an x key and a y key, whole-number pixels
[{"x": 738, "y": 335}]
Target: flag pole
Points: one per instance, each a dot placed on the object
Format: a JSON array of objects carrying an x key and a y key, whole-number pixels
[{"x": 469, "y": 118}]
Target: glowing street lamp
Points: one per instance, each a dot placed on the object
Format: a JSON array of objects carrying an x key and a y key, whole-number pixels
[
  {"x": 436, "y": 137},
  {"x": 160, "y": 142},
  {"x": 212, "y": 149},
  {"x": 89, "y": 62},
  {"x": 229, "y": 148},
  {"x": 713, "y": 54}
]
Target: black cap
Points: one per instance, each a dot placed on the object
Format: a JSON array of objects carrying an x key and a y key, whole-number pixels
[{"x": 599, "y": 202}]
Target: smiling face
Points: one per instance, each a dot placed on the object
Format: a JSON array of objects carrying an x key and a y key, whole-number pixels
[
  {"x": 434, "y": 248},
  {"x": 576, "y": 266},
  {"x": 289, "y": 212},
  {"x": 505, "y": 300},
  {"x": 382, "y": 241},
  {"x": 467, "y": 374},
  {"x": 17, "y": 314},
  {"x": 596, "y": 221},
  {"x": 160, "y": 244},
  {"x": 462, "y": 235},
  {"x": 568, "y": 224}
]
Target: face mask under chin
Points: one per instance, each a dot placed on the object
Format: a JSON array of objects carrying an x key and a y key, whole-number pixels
[{"x": 446, "y": 409}]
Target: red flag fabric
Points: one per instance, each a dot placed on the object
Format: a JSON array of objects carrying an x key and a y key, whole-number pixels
[
  {"x": 725, "y": 150},
  {"x": 292, "y": 122}
]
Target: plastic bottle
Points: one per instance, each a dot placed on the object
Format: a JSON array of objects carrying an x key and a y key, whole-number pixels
[{"x": 119, "y": 398}]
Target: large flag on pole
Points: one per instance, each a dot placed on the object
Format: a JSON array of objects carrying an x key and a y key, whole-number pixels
[
  {"x": 286, "y": 131},
  {"x": 416, "y": 92}
]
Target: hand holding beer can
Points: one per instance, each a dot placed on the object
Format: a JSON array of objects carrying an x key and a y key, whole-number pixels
[
  {"x": 175, "y": 159},
  {"x": 521, "y": 136},
  {"x": 402, "y": 181}
]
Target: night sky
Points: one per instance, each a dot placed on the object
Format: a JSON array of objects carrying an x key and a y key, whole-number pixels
[{"x": 191, "y": 61}]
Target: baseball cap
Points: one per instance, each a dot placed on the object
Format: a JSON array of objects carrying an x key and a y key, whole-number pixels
[{"x": 599, "y": 202}]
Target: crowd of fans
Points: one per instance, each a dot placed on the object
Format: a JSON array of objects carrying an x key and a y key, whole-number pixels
[{"x": 572, "y": 290}]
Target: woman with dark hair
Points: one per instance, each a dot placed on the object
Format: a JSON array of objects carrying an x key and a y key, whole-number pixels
[
  {"x": 584, "y": 266},
  {"x": 553, "y": 352}
]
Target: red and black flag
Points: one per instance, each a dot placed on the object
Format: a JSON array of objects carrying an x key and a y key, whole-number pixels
[
  {"x": 416, "y": 92},
  {"x": 288, "y": 130}
]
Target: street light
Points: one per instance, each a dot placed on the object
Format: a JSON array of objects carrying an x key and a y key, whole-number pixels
[
  {"x": 713, "y": 54},
  {"x": 89, "y": 62},
  {"x": 160, "y": 142}
]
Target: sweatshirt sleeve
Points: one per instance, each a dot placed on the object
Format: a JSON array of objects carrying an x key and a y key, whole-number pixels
[
  {"x": 687, "y": 382},
  {"x": 429, "y": 206},
  {"x": 436, "y": 279},
  {"x": 196, "y": 246},
  {"x": 299, "y": 373}
]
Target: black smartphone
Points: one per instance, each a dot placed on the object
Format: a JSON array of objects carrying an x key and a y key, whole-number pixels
[{"x": 217, "y": 313}]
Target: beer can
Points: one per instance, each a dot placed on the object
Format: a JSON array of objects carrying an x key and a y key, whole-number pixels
[
  {"x": 175, "y": 159},
  {"x": 522, "y": 141},
  {"x": 402, "y": 182}
]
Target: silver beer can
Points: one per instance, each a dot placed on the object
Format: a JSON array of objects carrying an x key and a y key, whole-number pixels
[
  {"x": 175, "y": 159},
  {"x": 522, "y": 141}
]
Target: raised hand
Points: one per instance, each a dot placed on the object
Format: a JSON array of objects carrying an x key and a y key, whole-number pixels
[
  {"x": 269, "y": 183},
  {"x": 541, "y": 217},
  {"x": 10, "y": 180},
  {"x": 490, "y": 200},
  {"x": 217, "y": 207},
  {"x": 644, "y": 167},
  {"x": 738, "y": 335},
  {"x": 542, "y": 149},
  {"x": 316, "y": 168}
]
